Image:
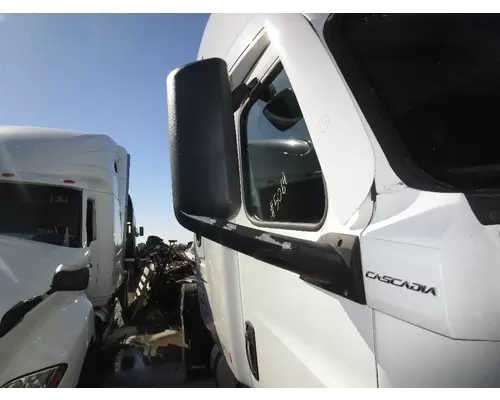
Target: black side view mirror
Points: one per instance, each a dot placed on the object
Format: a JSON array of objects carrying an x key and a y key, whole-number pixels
[
  {"x": 283, "y": 110},
  {"x": 141, "y": 231},
  {"x": 76, "y": 280},
  {"x": 203, "y": 150}
]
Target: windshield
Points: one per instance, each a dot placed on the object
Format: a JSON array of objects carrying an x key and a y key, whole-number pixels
[
  {"x": 435, "y": 78},
  {"x": 47, "y": 214}
]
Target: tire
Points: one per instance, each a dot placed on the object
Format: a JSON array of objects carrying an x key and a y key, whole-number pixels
[
  {"x": 88, "y": 377},
  {"x": 189, "y": 290},
  {"x": 189, "y": 304},
  {"x": 196, "y": 357}
]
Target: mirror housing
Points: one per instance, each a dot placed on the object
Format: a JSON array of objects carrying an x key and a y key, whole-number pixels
[
  {"x": 141, "y": 231},
  {"x": 67, "y": 280},
  {"x": 283, "y": 110},
  {"x": 203, "y": 147}
]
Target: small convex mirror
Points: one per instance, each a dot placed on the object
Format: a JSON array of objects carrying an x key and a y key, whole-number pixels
[{"x": 283, "y": 110}]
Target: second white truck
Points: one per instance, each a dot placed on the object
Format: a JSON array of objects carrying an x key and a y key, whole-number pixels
[{"x": 63, "y": 231}]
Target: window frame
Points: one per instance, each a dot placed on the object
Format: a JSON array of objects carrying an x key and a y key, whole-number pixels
[
  {"x": 94, "y": 221},
  {"x": 269, "y": 76}
]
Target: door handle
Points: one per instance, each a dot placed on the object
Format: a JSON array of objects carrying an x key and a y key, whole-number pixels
[{"x": 251, "y": 349}]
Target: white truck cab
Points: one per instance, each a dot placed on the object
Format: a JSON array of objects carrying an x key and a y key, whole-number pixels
[
  {"x": 62, "y": 229},
  {"x": 345, "y": 194}
]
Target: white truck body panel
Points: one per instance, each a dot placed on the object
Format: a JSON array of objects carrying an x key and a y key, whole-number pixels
[
  {"x": 27, "y": 268},
  {"x": 309, "y": 337},
  {"x": 58, "y": 331},
  {"x": 50, "y": 156}
]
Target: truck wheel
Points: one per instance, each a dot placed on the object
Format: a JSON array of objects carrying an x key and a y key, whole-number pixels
[
  {"x": 223, "y": 375},
  {"x": 196, "y": 357},
  {"x": 188, "y": 293},
  {"x": 88, "y": 376}
]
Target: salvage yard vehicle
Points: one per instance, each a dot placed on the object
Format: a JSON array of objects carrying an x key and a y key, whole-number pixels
[
  {"x": 166, "y": 299},
  {"x": 63, "y": 223},
  {"x": 344, "y": 192},
  {"x": 159, "y": 287}
]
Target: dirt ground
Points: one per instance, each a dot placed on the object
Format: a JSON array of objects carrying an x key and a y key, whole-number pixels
[{"x": 164, "y": 370}]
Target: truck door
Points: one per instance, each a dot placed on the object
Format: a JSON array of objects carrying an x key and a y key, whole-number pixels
[{"x": 307, "y": 169}]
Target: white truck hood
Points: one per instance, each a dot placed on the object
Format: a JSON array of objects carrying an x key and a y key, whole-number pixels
[{"x": 27, "y": 268}]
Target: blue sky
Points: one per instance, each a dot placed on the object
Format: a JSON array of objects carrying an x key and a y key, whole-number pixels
[{"x": 103, "y": 73}]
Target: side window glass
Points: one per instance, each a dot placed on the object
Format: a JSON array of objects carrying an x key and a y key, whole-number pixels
[
  {"x": 284, "y": 182},
  {"x": 91, "y": 222}
]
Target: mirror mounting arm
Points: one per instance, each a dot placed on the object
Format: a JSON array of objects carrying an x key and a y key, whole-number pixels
[
  {"x": 242, "y": 92},
  {"x": 332, "y": 264}
]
